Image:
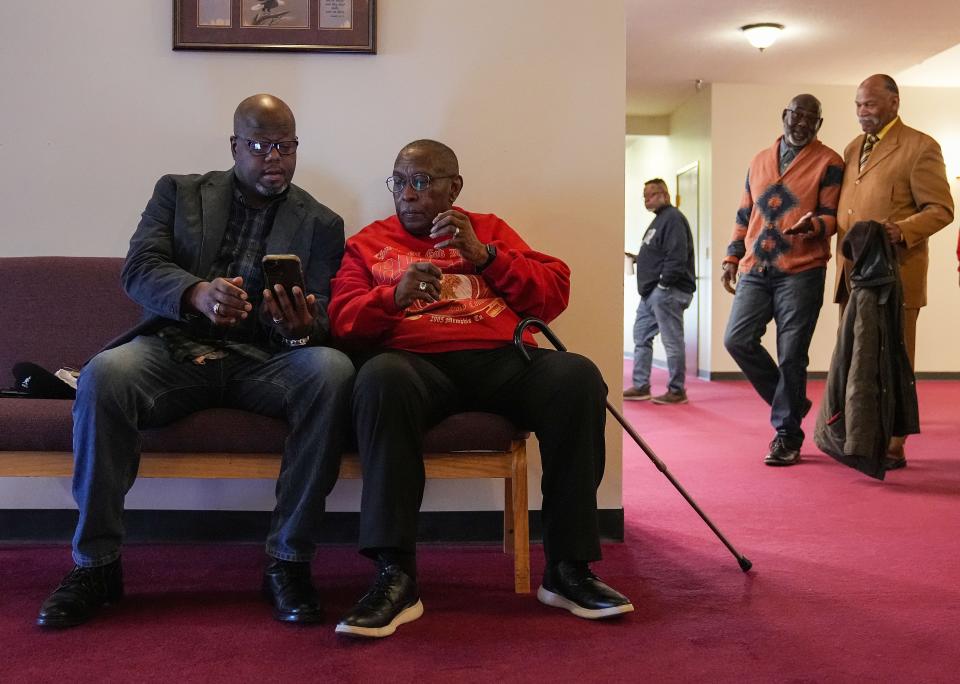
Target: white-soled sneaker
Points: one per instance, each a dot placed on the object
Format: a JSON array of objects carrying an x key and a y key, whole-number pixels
[
  {"x": 571, "y": 586},
  {"x": 392, "y": 601}
]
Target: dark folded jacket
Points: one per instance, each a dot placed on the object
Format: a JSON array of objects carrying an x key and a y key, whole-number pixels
[{"x": 871, "y": 392}]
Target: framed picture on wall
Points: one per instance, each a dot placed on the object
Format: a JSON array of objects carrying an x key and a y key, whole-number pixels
[{"x": 292, "y": 25}]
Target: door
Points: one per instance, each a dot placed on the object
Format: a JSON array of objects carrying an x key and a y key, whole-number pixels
[{"x": 688, "y": 202}]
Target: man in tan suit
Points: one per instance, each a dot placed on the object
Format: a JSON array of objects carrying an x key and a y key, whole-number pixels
[{"x": 895, "y": 175}]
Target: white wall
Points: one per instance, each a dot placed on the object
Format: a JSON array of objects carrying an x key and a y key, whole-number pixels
[
  {"x": 647, "y": 157},
  {"x": 98, "y": 106},
  {"x": 746, "y": 118}
]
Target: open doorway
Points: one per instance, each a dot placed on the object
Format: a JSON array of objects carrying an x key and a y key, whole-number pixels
[{"x": 647, "y": 157}]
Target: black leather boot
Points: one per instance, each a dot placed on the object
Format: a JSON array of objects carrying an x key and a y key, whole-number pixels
[
  {"x": 289, "y": 589},
  {"x": 81, "y": 594}
]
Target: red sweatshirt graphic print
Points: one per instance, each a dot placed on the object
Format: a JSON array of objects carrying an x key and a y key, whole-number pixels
[{"x": 475, "y": 310}]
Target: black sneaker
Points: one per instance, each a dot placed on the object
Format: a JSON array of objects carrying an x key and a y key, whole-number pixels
[
  {"x": 81, "y": 594},
  {"x": 392, "y": 601},
  {"x": 780, "y": 454},
  {"x": 571, "y": 586},
  {"x": 288, "y": 588}
]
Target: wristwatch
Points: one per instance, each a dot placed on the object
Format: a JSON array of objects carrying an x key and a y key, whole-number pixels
[
  {"x": 297, "y": 342},
  {"x": 491, "y": 255}
]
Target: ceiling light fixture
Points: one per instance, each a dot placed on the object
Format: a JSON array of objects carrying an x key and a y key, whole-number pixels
[{"x": 762, "y": 36}]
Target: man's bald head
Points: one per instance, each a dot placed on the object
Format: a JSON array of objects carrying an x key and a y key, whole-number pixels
[
  {"x": 260, "y": 111},
  {"x": 259, "y": 122},
  {"x": 441, "y": 158},
  {"x": 807, "y": 102},
  {"x": 882, "y": 81},
  {"x": 802, "y": 120},
  {"x": 417, "y": 209},
  {"x": 878, "y": 102}
]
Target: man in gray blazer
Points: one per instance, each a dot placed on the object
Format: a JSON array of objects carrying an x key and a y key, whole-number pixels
[{"x": 214, "y": 335}]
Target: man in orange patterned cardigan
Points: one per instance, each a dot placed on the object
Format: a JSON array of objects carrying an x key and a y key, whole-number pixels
[{"x": 780, "y": 248}]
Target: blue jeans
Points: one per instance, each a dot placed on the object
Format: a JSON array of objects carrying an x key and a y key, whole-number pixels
[
  {"x": 661, "y": 311},
  {"x": 137, "y": 385},
  {"x": 793, "y": 301}
]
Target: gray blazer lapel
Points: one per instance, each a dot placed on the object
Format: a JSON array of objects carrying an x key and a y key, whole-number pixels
[{"x": 216, "y": 196}]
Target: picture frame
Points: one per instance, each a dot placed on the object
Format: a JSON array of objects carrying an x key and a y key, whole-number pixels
[{"x": 284, "y": 25}]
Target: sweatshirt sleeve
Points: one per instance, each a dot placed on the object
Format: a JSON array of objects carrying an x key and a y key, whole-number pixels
[
  {"x": 530, "y": 282},
  {"x": 359, "y": 308}
]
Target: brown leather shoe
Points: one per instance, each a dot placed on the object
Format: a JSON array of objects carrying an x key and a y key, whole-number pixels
[
  {"x": 671, "y": 398},
  {"x": 637, "y": 393}
]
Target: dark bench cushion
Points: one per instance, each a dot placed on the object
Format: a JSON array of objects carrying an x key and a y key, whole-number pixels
[
  {"x": 59, "y": 311},
  {"x": 46, "y": 425}
]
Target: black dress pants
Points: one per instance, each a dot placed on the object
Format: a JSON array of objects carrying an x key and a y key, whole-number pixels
[{"x": 560, "y": 396}]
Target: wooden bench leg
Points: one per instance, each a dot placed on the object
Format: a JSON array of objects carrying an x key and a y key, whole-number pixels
[
  {"x": 508, "y": 518},
  {"x": 515, "y": 503}
]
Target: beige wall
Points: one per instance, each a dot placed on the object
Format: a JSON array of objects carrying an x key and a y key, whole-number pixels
[
  {"x": 746, "y": 118},
  {"x": 98, "y": 106},
  {"x": 690, "y": 138}
]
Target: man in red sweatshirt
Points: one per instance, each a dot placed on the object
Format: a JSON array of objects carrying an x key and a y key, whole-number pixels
[{"x": 431, "y": 297}]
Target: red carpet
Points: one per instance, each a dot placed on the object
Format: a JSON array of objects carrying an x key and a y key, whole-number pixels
[{"x": 854, "y": 580}]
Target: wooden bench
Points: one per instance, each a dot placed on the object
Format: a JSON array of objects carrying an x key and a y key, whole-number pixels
[{"x": 35, "y": 434}]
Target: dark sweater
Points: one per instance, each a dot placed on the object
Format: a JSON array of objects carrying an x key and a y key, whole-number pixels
[{"x": 666, "y": 253}]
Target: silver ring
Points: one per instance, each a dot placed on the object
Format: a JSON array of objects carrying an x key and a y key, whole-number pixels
[
  {"x": 423, "y": 285},
  {"x": 216, "y": 308},
  {"x": 278, "y": 320},
  {"x": 456, "y": 232}
]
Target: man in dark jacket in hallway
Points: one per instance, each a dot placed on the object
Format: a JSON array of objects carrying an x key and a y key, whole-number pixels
[{"x": 666, "y": 281}]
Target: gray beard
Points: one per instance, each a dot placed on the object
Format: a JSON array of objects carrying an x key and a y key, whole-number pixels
[{"x": 271, "y": 192}]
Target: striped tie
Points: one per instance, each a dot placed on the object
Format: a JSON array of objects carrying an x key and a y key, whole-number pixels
[{"x": 867, "y": 148}]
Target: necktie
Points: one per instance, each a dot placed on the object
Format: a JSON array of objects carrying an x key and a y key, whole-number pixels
[{"x": 867, "y": 148}]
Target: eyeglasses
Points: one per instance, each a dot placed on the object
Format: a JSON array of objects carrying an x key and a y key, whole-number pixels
[
  {"x": 418, "y": 181},
  {"x": 261, "y": 148},
  {"x": 797, "y": 114}
]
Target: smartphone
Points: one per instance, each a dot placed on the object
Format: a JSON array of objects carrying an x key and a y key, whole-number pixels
[{"x": 283, "y": 269}]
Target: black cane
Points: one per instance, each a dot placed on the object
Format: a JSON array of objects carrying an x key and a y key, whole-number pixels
[{"x": 745, "y": 564}]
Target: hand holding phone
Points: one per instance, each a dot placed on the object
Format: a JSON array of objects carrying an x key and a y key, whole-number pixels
[
  {"x": 283, "y": 269},
  {"x": 291, "y": 312}
]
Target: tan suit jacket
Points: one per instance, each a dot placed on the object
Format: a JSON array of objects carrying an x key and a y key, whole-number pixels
[{"x": 903, "y": 181}]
